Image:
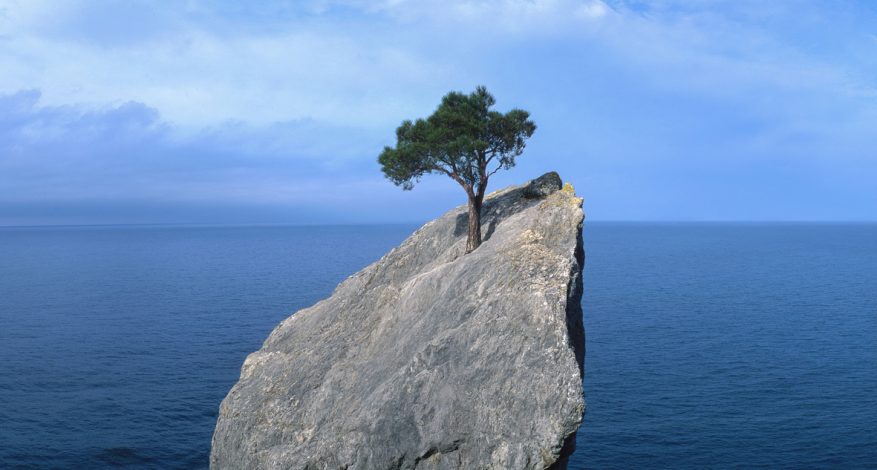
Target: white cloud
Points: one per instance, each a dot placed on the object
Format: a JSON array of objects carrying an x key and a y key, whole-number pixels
[
  {"x": 186, "y": 62},
  {"x": 498, "y": 16},
  {"x": 70, "y": 152},
  {"x": 200, "y": 78},
  {"x": 595, "y": 9},
  {"x": 393, "y": 59},
  {"x": 196, "y": 74},
  {"x": 199, "y": 65}
]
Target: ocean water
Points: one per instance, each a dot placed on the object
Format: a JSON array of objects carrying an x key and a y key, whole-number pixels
[{"x": 709, "y": 345}]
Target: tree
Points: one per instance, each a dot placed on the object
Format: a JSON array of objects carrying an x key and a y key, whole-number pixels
[{"x": 463, "y": 139}]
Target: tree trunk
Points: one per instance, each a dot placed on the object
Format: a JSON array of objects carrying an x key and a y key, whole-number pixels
[{"x": 474, "y": 238}]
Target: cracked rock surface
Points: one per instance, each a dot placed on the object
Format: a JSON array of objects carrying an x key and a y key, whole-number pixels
[{"x": 429, "y": 358}]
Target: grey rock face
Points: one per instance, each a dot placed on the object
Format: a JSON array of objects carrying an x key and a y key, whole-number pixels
[{"x": 428, "y": 358}]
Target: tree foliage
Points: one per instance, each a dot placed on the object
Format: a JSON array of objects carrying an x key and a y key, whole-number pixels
[{"x": 464, "y": 139}]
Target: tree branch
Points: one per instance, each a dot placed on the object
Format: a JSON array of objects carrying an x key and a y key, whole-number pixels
[
  {"x": 451, "y": 164},
  {"x": 454, "y": 176},
  {"x": 494, "y": 171}
]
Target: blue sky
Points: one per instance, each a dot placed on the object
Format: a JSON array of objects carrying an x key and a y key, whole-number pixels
[{"x": 231, "y": 112}]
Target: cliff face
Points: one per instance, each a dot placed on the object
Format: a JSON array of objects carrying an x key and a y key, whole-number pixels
[{"x": 429, "y": 358}]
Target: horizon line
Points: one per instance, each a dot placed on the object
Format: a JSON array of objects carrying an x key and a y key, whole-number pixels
[{"x": 375, "y": 224}]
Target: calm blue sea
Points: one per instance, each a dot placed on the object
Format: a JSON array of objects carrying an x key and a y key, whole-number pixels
[{"x": 709, "y": 345}]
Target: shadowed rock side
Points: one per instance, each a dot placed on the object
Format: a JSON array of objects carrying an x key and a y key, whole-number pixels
[{"x": 429, "y": 358}]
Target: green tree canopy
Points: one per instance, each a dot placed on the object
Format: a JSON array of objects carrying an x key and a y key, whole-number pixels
[{"x": 464, "y": 139}]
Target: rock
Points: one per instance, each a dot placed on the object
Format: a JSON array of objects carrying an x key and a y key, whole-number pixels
[
  {"x": 429, "y": 358},
  {"x": 543, "y": 185}
]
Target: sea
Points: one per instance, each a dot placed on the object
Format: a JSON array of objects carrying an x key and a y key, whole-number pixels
[{"x": 709, "y": 345}]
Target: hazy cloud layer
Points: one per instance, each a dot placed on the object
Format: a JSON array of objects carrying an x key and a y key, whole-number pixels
[{"x": 220, "y": 111}]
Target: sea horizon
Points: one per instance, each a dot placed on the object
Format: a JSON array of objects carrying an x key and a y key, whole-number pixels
[{"x": 372, "y": 224}]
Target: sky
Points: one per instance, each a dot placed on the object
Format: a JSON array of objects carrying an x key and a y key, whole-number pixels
[{"x": 234, "y": 112}]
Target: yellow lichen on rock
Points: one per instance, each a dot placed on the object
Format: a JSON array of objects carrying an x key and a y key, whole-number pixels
[
  {"x": 569, "y": 189},
  {"x": 563, "y": 197}
]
